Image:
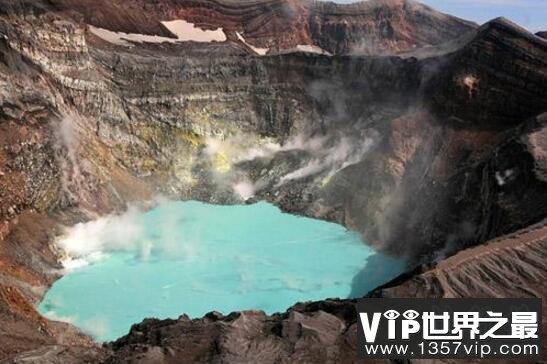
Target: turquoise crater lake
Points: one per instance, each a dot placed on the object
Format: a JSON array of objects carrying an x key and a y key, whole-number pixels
[{"x": 193, "y": 258}]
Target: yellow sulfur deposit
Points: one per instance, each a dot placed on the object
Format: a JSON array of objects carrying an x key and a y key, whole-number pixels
[
  {"x": 221, "y": 163},
  {"x": 194, "y": 139},
  {"x": 325, "y": 181}
]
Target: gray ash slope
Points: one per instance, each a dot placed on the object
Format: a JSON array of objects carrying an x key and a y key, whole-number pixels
[{"x": 426, "y": 151}]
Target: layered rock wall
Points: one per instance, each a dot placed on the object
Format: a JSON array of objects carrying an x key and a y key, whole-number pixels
[{"x": 425, "y": 152}]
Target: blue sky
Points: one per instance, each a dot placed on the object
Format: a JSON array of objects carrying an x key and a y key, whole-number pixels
[{"x": 530, "y": 14}]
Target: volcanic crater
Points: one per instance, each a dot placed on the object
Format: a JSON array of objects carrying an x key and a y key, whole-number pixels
[{"x": 423, "y": 133}]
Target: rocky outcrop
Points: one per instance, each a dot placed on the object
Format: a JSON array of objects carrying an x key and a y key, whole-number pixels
[
  {"x": 426, "y": 152},
  {"x": 304, "y": 334},
  {"x": 496, "y": 88}
]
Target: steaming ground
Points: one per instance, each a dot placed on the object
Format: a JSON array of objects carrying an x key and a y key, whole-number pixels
[
  {"x": 330, "y": 154},
  {"x": 193, "y": 258}
]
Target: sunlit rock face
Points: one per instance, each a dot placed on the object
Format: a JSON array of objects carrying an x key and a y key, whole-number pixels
[{"x": 423, "y": 151}]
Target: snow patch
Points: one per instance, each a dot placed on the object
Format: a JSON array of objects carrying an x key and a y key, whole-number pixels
[
  {"x": 312, "y": 49},
  {"x": 305, "y": 48},
  {"x": 125, "y": 39},
  {"x": 185, "y": 32},
  {"x": 259, "y": 51}
]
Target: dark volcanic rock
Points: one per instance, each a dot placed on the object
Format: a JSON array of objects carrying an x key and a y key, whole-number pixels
[
  {"x": 306, "y": 333},
  {"x": 493, "y": 81},
  {"x": 495, "y": 195}
]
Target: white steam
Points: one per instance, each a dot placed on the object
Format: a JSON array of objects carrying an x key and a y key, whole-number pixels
[
  {"x": 244, "y": 189},
  {"x": 67, "y": 142},
  {"x": 329, "y": 155},
  {"x": 225, "y": 153},
  {"x": 110, "y": 233},
  {"x": 68, "y": 137},
  {"x": 329, "y": 159},
  {"x": 96, "y": 326},
  {"x": 86, "y": 243},
  {"x": 241, "y": 148}
]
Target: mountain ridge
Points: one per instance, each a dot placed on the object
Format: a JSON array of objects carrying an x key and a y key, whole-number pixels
[{"x": 278, "y": 25}]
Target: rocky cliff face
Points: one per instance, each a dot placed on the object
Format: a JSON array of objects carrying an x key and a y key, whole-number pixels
[
  {"x": 371, "y": 27},
  {"x": 425, "y": 151}
]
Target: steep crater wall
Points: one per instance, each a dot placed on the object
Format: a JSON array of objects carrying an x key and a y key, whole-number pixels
[{"x": 412, "y": 151}]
